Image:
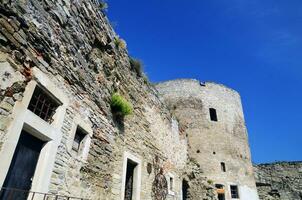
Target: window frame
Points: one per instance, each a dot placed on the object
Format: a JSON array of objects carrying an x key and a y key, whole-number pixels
[
  {"x": 78, "y": 122},
  {"x": 48, "y": 98},
  {"x": 235, "y": 195},
  {"x": 137, "y": 175},
  {"x": 171, "y": 186}
]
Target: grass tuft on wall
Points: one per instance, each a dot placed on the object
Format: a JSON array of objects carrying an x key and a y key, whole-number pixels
[
  {"x": 120, "y": 106},
  {"x": 137, "y": 66}
]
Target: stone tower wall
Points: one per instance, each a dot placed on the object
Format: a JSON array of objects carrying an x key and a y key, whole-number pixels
[{"x": 210, "y": 142}]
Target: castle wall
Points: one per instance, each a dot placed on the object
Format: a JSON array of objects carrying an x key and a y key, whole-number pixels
[
  {"x": 69, "y": 49},
  {"x": 280, "y": 180},
  {"x": 213, "y": 142},
  {"x": 70, "y": 46}
]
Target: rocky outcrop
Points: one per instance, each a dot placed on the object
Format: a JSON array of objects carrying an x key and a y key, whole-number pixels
[{"x": 279, "y": 181}]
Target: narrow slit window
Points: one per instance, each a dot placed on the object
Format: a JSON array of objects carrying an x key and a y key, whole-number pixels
[
  {"x": 78, "y": 139},
  {"x": 213, "y": 114},
  {"x": 234, "y": 192},
  {"x": 223, "y": 168},
  {"x": 171, "y": 183},
  {"x": 43, "y": 104}
]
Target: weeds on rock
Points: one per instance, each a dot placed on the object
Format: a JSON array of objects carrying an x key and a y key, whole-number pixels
[
  {"x": 120, "y": 106},
  {"x": 137, "y": 66},
  {"x": 120, "y": 43}
]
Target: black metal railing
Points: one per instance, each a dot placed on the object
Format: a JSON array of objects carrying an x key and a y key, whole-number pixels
[{"x": 18, "y": 194}]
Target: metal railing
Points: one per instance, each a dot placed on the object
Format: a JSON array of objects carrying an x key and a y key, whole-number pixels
[{"x": 18, "y": 194}]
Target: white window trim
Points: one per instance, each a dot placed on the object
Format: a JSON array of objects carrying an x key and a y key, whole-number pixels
[
  {"x": 24, "y": 119},
  {"x": 85, "y": 144},
  {"x": 168, "y": 176},
  {"x": 137, "y": 176}
]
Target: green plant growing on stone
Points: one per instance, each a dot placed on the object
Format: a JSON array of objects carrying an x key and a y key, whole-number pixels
[
  {"x": 120, "y": 43},
  {"x": 137, "y": 66},
  {"x": 210, "y": 182},
  {"x": 146, "y": 79},
  {"x": 120, "y": 106},
  {"x": 103, "y": 6}
]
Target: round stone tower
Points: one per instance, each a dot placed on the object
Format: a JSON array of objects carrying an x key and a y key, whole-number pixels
[{"x": 211, "y": 116}]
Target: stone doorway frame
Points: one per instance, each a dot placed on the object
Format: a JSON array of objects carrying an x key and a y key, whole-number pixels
[
  {"x": 137, "y": 176},
  {"x": 24, "y": 119}
]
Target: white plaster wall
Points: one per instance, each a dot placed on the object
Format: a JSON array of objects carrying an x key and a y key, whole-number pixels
[{"x": 247, "y": 193}]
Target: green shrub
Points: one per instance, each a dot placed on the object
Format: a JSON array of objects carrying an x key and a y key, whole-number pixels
[
  {"x": 103, "y": 6},
  {"x": 120, "y": 43},
  {"x": 137, "y": 66},
  {"x": 120, "y": 106}
]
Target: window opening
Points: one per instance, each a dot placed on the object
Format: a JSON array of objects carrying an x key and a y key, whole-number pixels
[
  {"x": 213, "y": 114},
  {"x": 78, "y": 139},
  {"x": 223, "y": 168},
  {"x": 43, "y": 104},
  {"x": 171, "y": 183},
  {"x": 234, "y": 192}
]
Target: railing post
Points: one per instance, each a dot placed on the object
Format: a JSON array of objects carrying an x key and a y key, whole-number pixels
[{"x": 33, "y": 196}]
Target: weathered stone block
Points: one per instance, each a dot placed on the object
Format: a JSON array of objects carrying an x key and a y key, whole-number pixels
[
  {"x": 6, "y": 25},
  {"x": 4, "y": 122}
]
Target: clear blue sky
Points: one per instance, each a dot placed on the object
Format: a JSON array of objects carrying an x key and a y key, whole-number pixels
[{"x": 254, "y": 47}]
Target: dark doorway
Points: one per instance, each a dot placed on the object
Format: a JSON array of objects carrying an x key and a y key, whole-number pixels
[
  {"x": 22, "y": 168},
  {"x": 221, "y": 197},
  {"x": 129, "y": 180},
  {"x": 185, "y": 190}
]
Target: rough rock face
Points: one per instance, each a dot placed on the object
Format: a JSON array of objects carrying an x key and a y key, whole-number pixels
[
  {"x": 71, "y": 45},
  {"x": 281, "y": 180}
]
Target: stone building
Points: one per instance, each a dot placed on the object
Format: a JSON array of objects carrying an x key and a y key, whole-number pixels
[
  {"x": 211, "y": 116},
  {"x": 60, "y": 64}
]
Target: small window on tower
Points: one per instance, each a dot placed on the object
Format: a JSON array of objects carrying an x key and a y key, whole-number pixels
[
  {"x": 43, "y": 104},
  {"x": 223, "y": 168},
  {"x": 234, "y": 192},
  {"x": 213, "y": 115},
  {"x": 171, "y": 183},
  {"x": 78, "y": 139}
]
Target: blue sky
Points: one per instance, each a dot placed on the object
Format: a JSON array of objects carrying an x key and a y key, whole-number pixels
[{"x": 254, "y": 47}]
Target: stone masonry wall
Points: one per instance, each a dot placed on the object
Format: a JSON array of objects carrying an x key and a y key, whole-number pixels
[
  {"x": 211, "y": 143},
  {"x": 279, "y": 181},
  {"x": 72, "y": 43}
]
